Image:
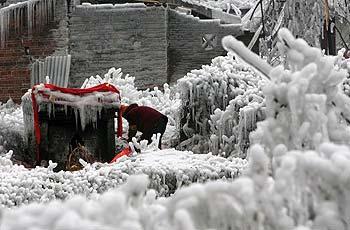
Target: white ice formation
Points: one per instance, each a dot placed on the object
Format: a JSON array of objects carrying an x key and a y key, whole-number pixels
[
  {"x": 33, "y": 13},
  {"x": 168, "y": 170},
  {"x": 220, "y": 106},
  {"x": 305, "y": 103},
  {"x": 11, "y": 127},
  {"x": 307, "y": 192}
]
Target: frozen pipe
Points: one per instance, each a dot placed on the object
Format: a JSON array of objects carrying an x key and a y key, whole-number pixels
[{"x": 231, "y": 44}]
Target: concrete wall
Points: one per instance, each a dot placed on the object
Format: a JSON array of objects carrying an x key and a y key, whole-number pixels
[
  {"x": 132, "y": 38},
  {"x": 14, "y": 63},
  {"x": 187, "y": 48},
  {"x": 153, "y": 44}
]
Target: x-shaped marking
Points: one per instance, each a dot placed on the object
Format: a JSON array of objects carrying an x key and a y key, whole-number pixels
[{"x": 209, "y": 41}]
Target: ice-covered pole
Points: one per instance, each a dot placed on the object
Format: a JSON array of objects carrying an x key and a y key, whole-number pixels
[{"x": 231, "y": 44}]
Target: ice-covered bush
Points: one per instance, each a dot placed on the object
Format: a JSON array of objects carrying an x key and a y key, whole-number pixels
[
  {"x": 220, "y": 106},
  {"x": 305, "y": 137},
  {"x": 167, "y": 170},
  {"x": 308, "y": 192},
  {"x": 11, "y": 127},
  {"x": 305, "y": 103}
]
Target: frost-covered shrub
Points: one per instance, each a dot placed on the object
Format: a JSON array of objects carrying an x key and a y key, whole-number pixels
[
  {"x": 168, "y": 170},
  {"x": 306, "y": 109},
  {"x": 305, "y": 103},
  {"x": 220, "y": 105},
  {"x": 308, "y": 192},
  {"x": 11, "y": 128}
]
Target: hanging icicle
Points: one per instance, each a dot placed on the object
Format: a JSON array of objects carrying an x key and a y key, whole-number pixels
[
  {"x": 2, "y": 27},
  {"x": 37, "y": 14}
]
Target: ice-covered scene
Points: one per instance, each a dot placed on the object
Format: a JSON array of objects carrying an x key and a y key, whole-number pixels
[{"x": 174, "y": 114}]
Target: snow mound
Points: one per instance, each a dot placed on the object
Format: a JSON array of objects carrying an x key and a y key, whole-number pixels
[
  {"x": 167, "y": 169},
  {"x": 220, "y": 106}
]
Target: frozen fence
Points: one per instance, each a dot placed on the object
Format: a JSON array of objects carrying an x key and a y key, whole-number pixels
[{"x": 56, "y": 67}]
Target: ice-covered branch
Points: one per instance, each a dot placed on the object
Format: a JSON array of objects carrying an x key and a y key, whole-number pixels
[{"x": 231, "y": 44}]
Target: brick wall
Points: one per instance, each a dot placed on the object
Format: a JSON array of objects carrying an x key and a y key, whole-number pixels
[
  {"x": 14, "y": 63},
  {"x": 187, "y": 50},
  {"x": 132, "y": 38}
]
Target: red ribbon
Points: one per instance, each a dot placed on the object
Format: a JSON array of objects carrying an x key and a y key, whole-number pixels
[{"x": 75, "y": 91}]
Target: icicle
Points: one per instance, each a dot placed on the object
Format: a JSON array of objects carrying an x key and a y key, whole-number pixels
[
  {"x": 53, "y": 110},
  {"x": 30, "y": 17},
  {"x": 2, "y": 27},
  {"x": 82, "y": 117},
  {"x": 76, "y": 117}
]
